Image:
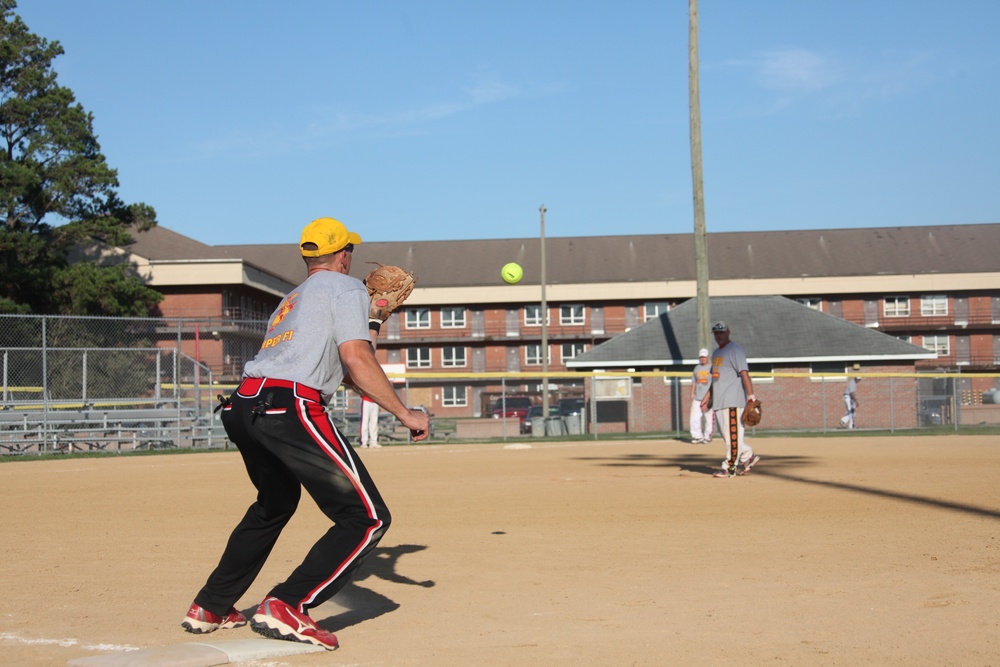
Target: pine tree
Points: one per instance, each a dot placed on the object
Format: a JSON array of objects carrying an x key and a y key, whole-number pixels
[{"x": 57, "y": 192}]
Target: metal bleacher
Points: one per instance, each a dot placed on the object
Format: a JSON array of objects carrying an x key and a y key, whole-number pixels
[{"x": 33, "y": 428}]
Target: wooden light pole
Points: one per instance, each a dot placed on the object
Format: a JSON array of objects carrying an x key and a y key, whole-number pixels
[
  {"x": 545, "y": 327},
  {"x": 697, "y": 184}
]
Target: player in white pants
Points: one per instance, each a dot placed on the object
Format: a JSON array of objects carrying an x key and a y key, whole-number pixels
[
  {"x": 701, "y": 380},
  {"x": 850, "y": 403},
  {"x": 369, "y": 423},
  {"x": 731, "y": 389}
]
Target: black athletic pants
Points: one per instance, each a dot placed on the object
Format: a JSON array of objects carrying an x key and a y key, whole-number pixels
[{"x": 288, "y": 442}]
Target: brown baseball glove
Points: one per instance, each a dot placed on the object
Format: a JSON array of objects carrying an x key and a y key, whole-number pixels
[
  {"x": 388, "y": 286},
  {"x": 751, "y": 413}
]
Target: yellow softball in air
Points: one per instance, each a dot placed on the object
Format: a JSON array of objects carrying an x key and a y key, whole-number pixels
[{"x": 512, "y": 273}]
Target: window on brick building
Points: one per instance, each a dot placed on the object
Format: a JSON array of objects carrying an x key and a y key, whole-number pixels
[
  {"x": 938, "y": 344},
  {"x": 533, "y": 316},
  {"x": 933, "y": 305},
  {"x": 897, "y": 306},
  {"x": 418, "y": 318},
  {"x": 454, "y": 397},
  {"x": 452, "y": 318},
  {"x": 653, "y": 309},
  {"x": 418, "y": 357},
  {"x": 533, "y": 355},
  {"x": 569, "y": 350},
  {"x": 826, "y": 371},
  {"x": 453, "y": 357},
  {"x": 572, "y": 314}
]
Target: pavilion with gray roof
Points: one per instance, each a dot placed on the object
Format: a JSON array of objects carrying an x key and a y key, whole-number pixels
[{"x": 772, "y": 330}]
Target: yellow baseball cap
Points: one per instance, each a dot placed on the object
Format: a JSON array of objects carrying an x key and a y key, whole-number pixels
[{"x": 329, "y": 235}]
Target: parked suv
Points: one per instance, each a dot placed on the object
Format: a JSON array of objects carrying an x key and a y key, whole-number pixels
[
  {"x": 571, "y": 406},
  {"x": 511, "y": 407}
]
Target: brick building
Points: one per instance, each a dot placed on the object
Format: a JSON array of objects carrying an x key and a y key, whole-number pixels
[{"x": 936, "y": 287}]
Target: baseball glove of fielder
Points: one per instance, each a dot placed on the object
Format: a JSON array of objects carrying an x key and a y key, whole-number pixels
[
  {"x": 751, "y": 413},
  {"x": 388, "y": 286}
]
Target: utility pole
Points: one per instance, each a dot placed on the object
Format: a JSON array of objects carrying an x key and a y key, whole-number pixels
[
  {"x": 545, "y": 328},
  {"x": 697, "y": 184}
]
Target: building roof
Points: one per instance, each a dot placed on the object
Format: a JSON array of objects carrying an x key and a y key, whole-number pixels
[
  {"x": 163, "y": 245},
  {"x": 883, "y": 251},
  {"x": 771, "y": 329}
]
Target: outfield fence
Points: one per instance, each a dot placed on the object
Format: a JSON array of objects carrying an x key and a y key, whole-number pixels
[
  {"x": 124, "y": 384},
  {"x": 659, "y": 403}
]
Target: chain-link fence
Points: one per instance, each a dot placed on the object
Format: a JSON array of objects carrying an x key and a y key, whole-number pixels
[
  {"x": 120, "y": 384},
  {"x": 100, "y": 384},
  {"x": 659, "y": 403}
]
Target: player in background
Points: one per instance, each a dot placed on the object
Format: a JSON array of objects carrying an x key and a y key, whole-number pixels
[
  {"x": 850, "y": 403},
  {"x": 731, "y": 389},
  {"x": 701, "y": 380},
  {"x": 369, "y": 423}
]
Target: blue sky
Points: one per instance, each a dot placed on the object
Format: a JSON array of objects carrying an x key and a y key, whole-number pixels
[{"x": 241, "y": 121}]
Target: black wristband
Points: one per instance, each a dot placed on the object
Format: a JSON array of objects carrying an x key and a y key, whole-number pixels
[{"x": 375, "y": 325}]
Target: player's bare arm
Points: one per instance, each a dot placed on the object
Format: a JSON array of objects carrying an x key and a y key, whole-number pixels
[
  {"x": 747, "y": 384},
  {"x": 348, "y": 380},
  {"x": 367, "y": 375}
]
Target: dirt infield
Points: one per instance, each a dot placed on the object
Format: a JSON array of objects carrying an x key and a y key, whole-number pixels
[{"x": 880, "y": 550}]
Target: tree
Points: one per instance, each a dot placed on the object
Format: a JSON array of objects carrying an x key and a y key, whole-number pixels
[{"x": 57, "y": 192}]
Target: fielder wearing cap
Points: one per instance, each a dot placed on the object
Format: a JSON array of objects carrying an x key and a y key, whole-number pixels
[
  {"x": 325, "y": 236},
  {"x": 318, "y": 337},
  {"x": 701, "y": 381},
  {"x": 731, "y": 389}
]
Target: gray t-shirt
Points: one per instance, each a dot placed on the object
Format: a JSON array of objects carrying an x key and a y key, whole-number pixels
[
  {"x": 727, "y": 386},
  {"x": 303, "y": 334},
  {"x": 852, "y": 387},
  {"x": 701, "y": 378}
]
